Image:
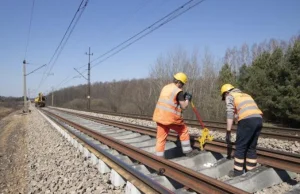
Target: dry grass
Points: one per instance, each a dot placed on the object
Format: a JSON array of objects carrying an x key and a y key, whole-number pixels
[{"x": 4, "y": 111}]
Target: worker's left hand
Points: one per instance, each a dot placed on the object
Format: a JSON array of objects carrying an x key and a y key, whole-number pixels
[
  {"x": 228, "y": 137},
  {"x": 187, "y": 96}
]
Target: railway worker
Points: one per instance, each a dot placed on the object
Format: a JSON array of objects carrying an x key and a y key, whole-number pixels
[
  {"x": 249, "y": 118},
  {"x": 168, "y": 115}
]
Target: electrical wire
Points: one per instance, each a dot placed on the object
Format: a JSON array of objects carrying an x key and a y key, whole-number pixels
[
  {"x": 159, "y": 23},
  {"x": 155, "y": 28},
  {"x": 29, "y": 30},
  {"x": 64, "y": 40},
  {"x": 142, "y": 31}
]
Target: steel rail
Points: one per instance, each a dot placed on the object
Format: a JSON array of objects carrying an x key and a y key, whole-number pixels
[
  {"x": 192, "y": 122},
  {"x": 277, "y": 159},
  {"x": 193, "y": 180},
  {"x": 141, "y": 181}
]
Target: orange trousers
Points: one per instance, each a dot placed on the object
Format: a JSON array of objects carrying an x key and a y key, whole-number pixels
[{"x": 163, "y": 131}]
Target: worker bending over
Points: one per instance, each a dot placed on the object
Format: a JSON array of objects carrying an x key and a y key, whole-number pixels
[
  {"x": 168, "y": 115},
  {"x": 248, "y": 129}
]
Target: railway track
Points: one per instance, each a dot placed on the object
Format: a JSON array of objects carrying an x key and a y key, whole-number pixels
[
  {"x": 136, "y": 142},
  {"x": 290, "y": 134}
]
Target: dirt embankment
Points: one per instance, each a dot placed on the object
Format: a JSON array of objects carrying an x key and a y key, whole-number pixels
[
  {"x": 13, "y": 152},
  {"x": 4, "y": 111}
]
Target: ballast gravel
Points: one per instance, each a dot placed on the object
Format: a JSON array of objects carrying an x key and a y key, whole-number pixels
[
  {"x": 269, "y": 143},
  {"x": 55, "y": 166}
]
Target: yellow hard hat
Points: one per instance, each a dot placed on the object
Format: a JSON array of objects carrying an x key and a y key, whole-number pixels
[
  {"x": 181, "y": 77},
  {"x": 226, "y": 88}
]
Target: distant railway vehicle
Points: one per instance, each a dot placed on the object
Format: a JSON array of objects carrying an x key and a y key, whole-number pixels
[{"x": 40, "y": 101}]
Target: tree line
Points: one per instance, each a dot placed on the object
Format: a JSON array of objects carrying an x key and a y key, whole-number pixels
[{"x": 269, "y": 71}]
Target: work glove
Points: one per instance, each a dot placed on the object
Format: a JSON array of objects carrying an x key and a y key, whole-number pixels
[
  {"x": 228, "y": 137},
  {"x": 187, "y": 96}
]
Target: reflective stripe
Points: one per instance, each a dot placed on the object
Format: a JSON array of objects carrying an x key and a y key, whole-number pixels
[
  {"x": 250, "y": 167},
  {"x": 186, "y": 149},
  {"x": 251, "y": 160},
  {"x": 247, "y": 108},
  {"x": 185, "y": 142},
  {"x": 239, "y": 160},
  {"x": 238, "y": 168},
  {"x": 245, "y": 105},
  {"x": 168, "y": 109},
  {"x": 186, "y": 146},
  {"x": 169, "y": 102},
  {"x": 160, "y": 153},
  {"x": 245, "y": 102}
]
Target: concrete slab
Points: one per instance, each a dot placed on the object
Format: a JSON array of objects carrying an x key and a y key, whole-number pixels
[
  {"x": 129, "y": 136},
  {"x": 80, "y": 148},
  {"x": 295, "y": 189},
  {"x": 116, "y": 179},
  {"x": 219, "y": 169},
  {"x": 183, "y": 191},
  {"x": 86, "y": 153},
  {"x": 151, "y": 149},
  {"x": 124, "y": 159},
  {"x": 196, "y": 162},
  {"x": 256, "y": 180},
  {"x": 142, "y": 168},
  {"x": 150, "y": 142},
  {"x": 135, "y": 140},
  {"x": 131, "y": 189},
  {"x": 164, "y": 181},
  {"x": 94, "y": 159},
  {"x": 102, "y": 167},
  {"x": 75, "y": 144},
  {"x": 107, "y": 132},
  {"x": 104, "y": 128},
  {"x": 90, "y": 125},
  {"x": 119, "y": 134}
]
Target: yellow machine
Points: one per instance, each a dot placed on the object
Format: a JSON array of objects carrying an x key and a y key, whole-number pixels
[
  {"x": 205, "y": 136},
  {"x": 40, "y": 101}
]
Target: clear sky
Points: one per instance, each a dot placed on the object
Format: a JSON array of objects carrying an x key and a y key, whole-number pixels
[{"x": 216, "y": 24}]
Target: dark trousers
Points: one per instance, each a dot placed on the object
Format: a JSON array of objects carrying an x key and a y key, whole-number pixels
[{"x": 247, "y": 134}]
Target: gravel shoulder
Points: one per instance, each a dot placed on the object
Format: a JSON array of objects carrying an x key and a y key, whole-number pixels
[
  {"x": 13, "y": 152},
  {"x": 35, "y": 158}
]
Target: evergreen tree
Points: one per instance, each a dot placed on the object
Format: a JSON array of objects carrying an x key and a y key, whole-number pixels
[
  {"x": 226, "y": 76},
  {"x": 289, "y": 87}
]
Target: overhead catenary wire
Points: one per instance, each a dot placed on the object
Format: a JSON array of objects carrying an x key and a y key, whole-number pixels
[
  {"x": 159, "y": 23},
  {"x": 170, "y": 18},
  {"x": 144, "y": 30},
  {"x": 29, "y": 29},
  {"x": 69, "y": 78},
  {"x": 64, "y": 40}
]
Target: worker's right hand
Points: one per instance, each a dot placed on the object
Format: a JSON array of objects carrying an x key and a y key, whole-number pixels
[
  {"x": 228, "y": 137},
  {"x": 187, "y": 96}
]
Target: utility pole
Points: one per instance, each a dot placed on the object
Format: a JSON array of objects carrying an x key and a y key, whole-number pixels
[
  {"x": 28, "y": 94},
  {"x": 25, "y": 109},
  {"x": 89, "y": 80},
  {"x": 52, "y": 97},
  {"x": 26, "y": 105}
]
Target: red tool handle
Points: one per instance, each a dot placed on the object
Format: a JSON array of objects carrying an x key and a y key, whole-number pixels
[{"x": 197, "y": 115}]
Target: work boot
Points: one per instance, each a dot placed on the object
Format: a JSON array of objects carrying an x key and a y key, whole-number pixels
[
  {"x": 192, "y": 153},
  {"x": 235, "y": 173}
]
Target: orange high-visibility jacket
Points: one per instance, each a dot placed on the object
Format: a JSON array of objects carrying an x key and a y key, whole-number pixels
[
  {"x": 245, "y": 105},
  {"x": 167, "y": 110}
]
